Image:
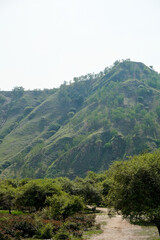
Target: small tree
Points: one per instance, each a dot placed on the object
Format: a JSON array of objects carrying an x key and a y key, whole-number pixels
[
  {"x": 135, "y": 188},
  {"x": 31, "y": 196},
  {"x": 7, "y": 198},
  {"x": 64, "y": 206},
  {"x": 18, "y": 92}
]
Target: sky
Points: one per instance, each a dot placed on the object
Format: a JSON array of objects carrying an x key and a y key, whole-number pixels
[{"x": 46, "y": 42}]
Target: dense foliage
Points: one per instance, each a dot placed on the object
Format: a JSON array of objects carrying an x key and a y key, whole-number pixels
[
  {"x": 48, "y": 208},
  {"x": 135, "y": 188},
  {"x": 58, "y": 208}
]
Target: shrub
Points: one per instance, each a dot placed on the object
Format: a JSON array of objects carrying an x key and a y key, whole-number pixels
[
  {"x": 62, "y": 235},
  {"x": 54, "y": 126},
  {"x": 46, "y": 231},
  {"x": 12, "y": 227},
  {"x": 83, "y": 221},
  {"x": 72, "y": 226}
]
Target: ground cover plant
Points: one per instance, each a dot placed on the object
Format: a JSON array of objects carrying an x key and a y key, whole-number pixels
[
  {"x": 33, "y": 226},
  {"x": 58, "y": 208},
  {"x": 41, "y": 209}
]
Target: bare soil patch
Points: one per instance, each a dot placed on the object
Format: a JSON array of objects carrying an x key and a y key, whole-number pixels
[{"x": 116, "y": 228}]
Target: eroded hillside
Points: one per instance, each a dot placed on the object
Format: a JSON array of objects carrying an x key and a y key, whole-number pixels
[{"x": 81, "y": 126}]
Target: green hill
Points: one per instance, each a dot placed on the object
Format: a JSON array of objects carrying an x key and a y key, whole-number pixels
[{"x": 80, "y": 127}]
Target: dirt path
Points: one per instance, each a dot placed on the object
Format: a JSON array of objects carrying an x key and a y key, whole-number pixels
[{"x": 116, "y": 228}]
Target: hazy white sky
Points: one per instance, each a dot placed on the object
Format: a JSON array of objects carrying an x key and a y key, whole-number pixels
[{"x": 44, "y": 42}]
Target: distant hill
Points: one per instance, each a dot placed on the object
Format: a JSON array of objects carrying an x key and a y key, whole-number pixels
[{"x": 80, "y": 127}]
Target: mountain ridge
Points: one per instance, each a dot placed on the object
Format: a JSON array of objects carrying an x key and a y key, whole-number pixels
[{"x": 82, "y": 126}]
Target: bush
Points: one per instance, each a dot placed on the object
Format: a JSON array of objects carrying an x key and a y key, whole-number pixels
[
  {"x": 26, "y": 226},
  {"x": 62, "y": 235},
  {"x": 46, "y": 231},
  {"x": 72, "y": 226},
  {"x": 3, "y": 237},
  {"x": 12, "y": 227},
  {"x": 83, "y": 221},
  {"x": 54, "y": 126}
]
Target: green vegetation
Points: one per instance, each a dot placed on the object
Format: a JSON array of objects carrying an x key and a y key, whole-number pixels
[
  {"x": 50, "y": 139},
  {"x": 134, "y": 188},
  {"x": 82, "y": 126},
  {"x": 92, "y": 232},
  {"x": 57, "y": 208},
  {"x": 42, "y": 210}
]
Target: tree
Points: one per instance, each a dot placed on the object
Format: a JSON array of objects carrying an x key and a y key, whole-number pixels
[
  {"x": 31, "y": 196},
  {"x": 7, "y": 196},
  {"x": 34, "y": 193},
  {"x": 92, "y": 194},
  {"x": 64, "y": 206},
  {"x": 135, "y": 188},
  {"x": 18, "y": 92}
]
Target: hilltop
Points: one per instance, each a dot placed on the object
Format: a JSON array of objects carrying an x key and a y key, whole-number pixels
[{"x": 82, "y": 126}]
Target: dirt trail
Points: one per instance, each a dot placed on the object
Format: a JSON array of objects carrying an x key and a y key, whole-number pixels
[{"x": 117, "y": 228}]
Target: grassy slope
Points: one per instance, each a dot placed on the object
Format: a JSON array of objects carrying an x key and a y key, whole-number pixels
[{"x": 99, "y": 121}]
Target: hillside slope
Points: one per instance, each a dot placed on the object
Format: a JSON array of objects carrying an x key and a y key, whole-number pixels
[{"x": 82, "y": 126}]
